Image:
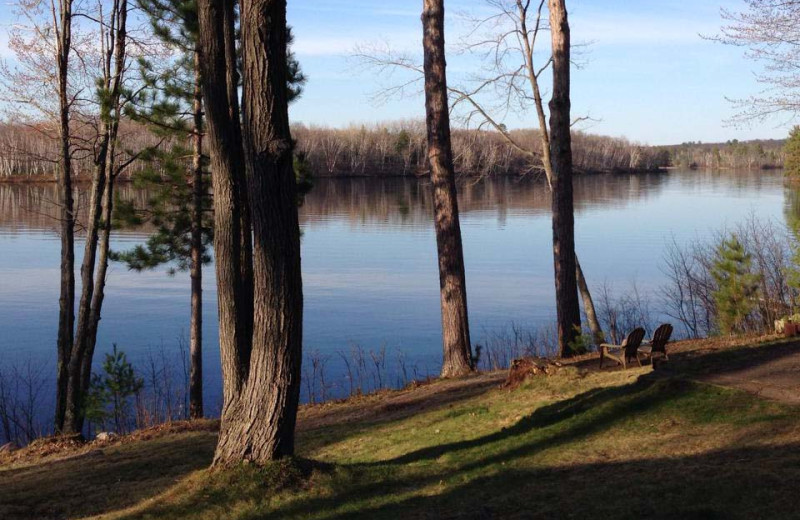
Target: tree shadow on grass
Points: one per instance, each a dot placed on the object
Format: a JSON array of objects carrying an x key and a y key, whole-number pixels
[
  {"x": 484, "y": 479},
  {"x": 728, "y": 484},
  {"x": 117, "y": 477},
  {"x": 92, "y": 483},
  {"x": 339, "y": 423},
  {"x": 548, "y": 427}
]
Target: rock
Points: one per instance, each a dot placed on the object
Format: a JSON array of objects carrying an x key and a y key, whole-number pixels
[
  {"x": 8, "y": 447},
  {"x": 105, "y": 436}
]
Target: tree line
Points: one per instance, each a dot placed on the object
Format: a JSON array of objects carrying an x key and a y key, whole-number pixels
[
  {"x": 761, "y": 154},
  {"x": 391, "y": 149}
]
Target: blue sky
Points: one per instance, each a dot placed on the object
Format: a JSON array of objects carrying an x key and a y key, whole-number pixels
[{"x": 647, "y": 74}]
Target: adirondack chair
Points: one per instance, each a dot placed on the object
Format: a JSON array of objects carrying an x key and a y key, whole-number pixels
[
  {"x": 622, "y": 353},
  {"x": 658, "y": 345}
]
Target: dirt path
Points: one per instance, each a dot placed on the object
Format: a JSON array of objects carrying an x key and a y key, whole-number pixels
[
  {"x": 765, "y": 366},
  {"x": 772, "y": 372}
]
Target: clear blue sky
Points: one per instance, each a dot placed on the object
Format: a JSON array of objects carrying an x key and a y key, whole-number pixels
[{"x": 647, "y": 76}]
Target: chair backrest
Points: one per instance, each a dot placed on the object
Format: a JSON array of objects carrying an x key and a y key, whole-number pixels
[
  {"x": 661, "y": 337},
  {"x": 634, "y": 341}
]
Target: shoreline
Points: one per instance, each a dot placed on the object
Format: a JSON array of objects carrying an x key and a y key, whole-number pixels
[{"x": 81, "y": 179}]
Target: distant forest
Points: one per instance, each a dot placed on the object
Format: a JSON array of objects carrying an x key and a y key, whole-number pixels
[
  {"x": 763, "y": 154},
  {"x": 399, "y": 149}
]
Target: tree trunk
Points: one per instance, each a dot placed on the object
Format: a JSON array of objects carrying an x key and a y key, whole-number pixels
[
  {"x": 260, "y": 427},
  {"x": 225, "y": 149},
  {"x": 261, "y": 371},
  {"x": 99, "y": 226},
  {"x": 544, "y": 135},
  {"x": 100, "y": 279},
  {"x": 452, "y": 280},
  {"x": 196, "y": 274},
  {"x": 598, "y": 336},
  {"x": 567, "y": 306},
  {"x": 66, "y": 299},
  {"x": 73, "y": 409},
  {"x": 232, "y": 79}
]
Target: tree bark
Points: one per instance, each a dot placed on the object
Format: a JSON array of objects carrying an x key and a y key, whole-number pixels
[
  {"x": 224, "y": 144},
  {"x": 196, "y": 274},
  {"x": 96, "y": 247},
  {"x": 598, "y": 336},
  {"x": 233, "y": 82},
  {"x": 261, "y": 373},
  {"x": 261, "y": 425},
  {"x": 66, "y": 300},
  {"x": 452, "y": 280},
  {"x": 533, "y": 78},
  {"x": 567, "y": 306}
]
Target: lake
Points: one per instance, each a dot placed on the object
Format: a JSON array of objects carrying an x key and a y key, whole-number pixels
[{"x": 369, "y": 266}]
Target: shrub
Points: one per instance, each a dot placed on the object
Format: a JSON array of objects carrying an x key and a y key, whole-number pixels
[{"x": 736, "y": 285}]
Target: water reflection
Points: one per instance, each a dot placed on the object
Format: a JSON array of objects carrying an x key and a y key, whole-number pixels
[{"x": 369, "y": 259}]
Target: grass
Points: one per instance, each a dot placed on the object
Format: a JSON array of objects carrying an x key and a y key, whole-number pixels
[{"x": 575, "y": 445}]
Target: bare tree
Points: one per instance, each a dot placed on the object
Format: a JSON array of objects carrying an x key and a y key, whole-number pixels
[
  {"x": 507, "y": 41},
  {"x": 457, "y": 359},
  {"x": 108, "y": 160},
  {"x": 88, "y": 82},
  {"x": 770, "y": 31},
  {"x": 43, "y": 43}
]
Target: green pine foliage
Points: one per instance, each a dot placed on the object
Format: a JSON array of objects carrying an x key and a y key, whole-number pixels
[
  {"x": 110, "y": 392},
  {"x": 164, "y": 103},
  {"x": 792, "y": 214},
  {"x": 736, "y": 285},
  {"x": 792, "y": 149}
]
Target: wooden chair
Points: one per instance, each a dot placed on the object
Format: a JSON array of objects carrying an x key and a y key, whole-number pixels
[
  {"x": 622, "y": 353},
  {"x": 658, "y": 345}
]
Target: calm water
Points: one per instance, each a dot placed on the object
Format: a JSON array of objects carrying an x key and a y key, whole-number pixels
[{"x": 369, "y": 261}]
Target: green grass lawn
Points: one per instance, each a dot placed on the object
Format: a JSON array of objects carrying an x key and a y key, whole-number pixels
[{"x": 574, "y": 445}]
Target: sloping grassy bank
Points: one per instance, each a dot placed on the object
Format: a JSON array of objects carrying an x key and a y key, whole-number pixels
[{"x": 580, "y": 444}]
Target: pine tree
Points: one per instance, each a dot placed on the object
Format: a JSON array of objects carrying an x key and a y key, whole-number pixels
[
  {"x": 180, "y": 206},
  {"x": 792, "y": 149},
  {"x": 737, "y": 286},
  {"x": 170, "y": 104}
]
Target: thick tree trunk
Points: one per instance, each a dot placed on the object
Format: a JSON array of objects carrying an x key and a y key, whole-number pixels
[
  {"x": 196, "y": 274},
  {"x": 233, "y": 83},
  {"x": 66, "y": 299},
  {"x": 260, "y": 427},
  {"x": 567, "y": 306},
  {"x": 261, "y": 371},
  {"x": 533, "y": 79},
  {"x": 452, "y": 280},
  {"x": 225, "y": 147}
]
